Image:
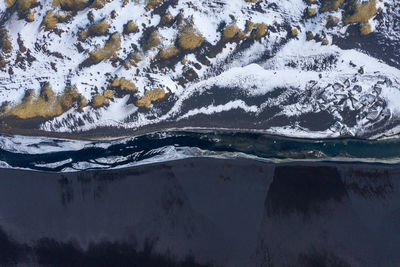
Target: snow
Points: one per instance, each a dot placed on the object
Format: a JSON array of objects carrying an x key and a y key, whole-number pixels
[{"x": 268, "y": 64}]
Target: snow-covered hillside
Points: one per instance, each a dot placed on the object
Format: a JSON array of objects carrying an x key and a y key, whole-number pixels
[{"x": 278, "y": 66}]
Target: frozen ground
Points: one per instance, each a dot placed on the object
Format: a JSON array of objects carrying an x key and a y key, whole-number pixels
[{"x": 278, "y": 84}]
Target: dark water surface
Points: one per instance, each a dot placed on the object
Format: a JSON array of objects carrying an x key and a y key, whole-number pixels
[
  {"x": 165, "y": 146},
  {"x": 204, "y": 212}
]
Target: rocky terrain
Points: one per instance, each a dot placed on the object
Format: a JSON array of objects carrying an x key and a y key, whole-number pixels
[{"x": 299, "y": 68}]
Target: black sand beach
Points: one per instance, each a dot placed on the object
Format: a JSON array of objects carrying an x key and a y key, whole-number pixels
[{"x": 203, "y": 212}]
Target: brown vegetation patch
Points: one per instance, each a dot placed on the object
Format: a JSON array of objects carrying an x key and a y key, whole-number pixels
[
  {"x": 230, "y": 32},
  {"x": 132, "y": 59},
  {"x": 110, "y": 50},
  {"x": 365, "y": 28},
  {"x": 294, "y": 32},
  {"x": 331, "y": 21},
  {"x": 309, "y": 36},
  {"x": 24, "y": 9},
  {"x": 99, "y": 101},
  {"x": 360, "y": 12},
  {"x": 130, "y": 27},
  {"x": 330, "y": 5},
  {"x": 153, "y": 40},
  {"x": 99, "y": 4},
  {"x": 168, "y": 52},
  {"x": 46, "y": 105},
  {"x": 71, "y": 5},
  {"x": 5, "y": 43},
  {"x": 259, "y": 31},
  {"x": 152, "y": 4},
  {"x": 124, "y": 85},
  {"x": 311, "y": 2},
  {"x": 99, "y": 29},
  {"x": 166, "y": 20},
  {"x": 10, "y": 3},
  {"x": 311, "y": 12},
  {"x": 190, "y": 39},
  {"x": 150, "y": 97},
  {"x": 109, "y": 94},
  {"x": 51, "y": 20}
]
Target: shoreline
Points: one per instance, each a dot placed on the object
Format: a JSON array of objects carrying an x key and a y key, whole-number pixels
[{"x": 97, "y": 135}]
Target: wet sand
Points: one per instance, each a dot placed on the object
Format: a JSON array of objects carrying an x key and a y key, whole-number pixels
[{"x": 203, "y": 212}]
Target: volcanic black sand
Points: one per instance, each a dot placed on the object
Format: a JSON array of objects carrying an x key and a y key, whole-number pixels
[{"x": 203, "y": 212}]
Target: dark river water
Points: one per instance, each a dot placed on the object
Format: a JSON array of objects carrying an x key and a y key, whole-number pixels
[{"x": 64, "y": 155}]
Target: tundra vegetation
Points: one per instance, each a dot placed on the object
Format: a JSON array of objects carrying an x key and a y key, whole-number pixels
[
  {"x": 188, "y": 39},
  {"x": 47, "y": 104},
  {"x": 150, "y": 97}
]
